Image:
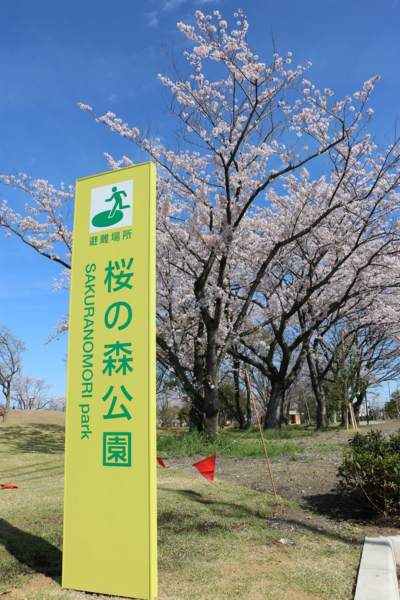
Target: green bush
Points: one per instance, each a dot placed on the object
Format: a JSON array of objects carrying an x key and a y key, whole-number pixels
[{"x": 370, "y": 473}]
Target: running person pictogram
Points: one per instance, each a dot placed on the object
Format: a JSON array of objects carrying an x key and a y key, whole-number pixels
[
  {"x": 120, "y": 210},
  {"x": 118, "y": 201}
]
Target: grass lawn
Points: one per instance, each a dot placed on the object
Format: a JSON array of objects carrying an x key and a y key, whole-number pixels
[
  {"x": 214, "y": 542},
  {"x": 248, "y": 444}
]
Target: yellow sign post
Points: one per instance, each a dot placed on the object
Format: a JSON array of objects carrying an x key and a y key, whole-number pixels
[{"x": 110, "y": 537}]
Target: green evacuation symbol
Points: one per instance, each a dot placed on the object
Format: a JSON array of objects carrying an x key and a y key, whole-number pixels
[{"x": 108, "y": 218}]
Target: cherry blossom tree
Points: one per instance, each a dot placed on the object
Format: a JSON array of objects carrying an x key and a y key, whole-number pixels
[
  {"x": 235, "y": 201},
  {"x": 30, "y": 393},
  {"x": 57, "y": 402},
  {"x": 327, "y": 275},
  {"x": 48, "y": 218},
  {"x": 222, "y": 228},
  {"x": 11, "y": 349},
  {"x": 359, "y": 353},
  {"x": 46, "y": 226},
  {"x": 371, "y": 345}
]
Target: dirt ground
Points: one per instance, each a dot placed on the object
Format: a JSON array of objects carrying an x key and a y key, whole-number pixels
[{"x": 309, "y": 481}]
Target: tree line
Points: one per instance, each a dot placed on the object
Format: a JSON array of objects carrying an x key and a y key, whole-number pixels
[{"x": 23, "y": 392}]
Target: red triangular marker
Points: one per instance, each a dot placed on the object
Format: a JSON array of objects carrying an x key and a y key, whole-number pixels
[
  {"x": 207, "y": 467},
  {"x": 11, "y": 487},
  {"x": 161, "y": 462}
]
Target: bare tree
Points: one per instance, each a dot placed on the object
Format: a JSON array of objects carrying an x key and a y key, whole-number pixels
[
  {"x": 11, "y": 349},
  {"x": 167, "y": 409},
  {"x": 57, "y": 403},
  {"x": 31, "y": 393}
]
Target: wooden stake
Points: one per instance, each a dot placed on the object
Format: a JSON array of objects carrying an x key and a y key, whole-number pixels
[
  {"x": 353, "y": 417},
  {"x": 262, "y": 437}
]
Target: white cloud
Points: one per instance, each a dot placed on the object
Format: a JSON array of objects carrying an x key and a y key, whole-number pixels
[
  {"x": 167, "y": 6},
  {"x": 152, "y": 18},
  {"x": 171, "y": 4}
]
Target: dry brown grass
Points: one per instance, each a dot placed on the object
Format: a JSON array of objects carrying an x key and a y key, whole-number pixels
[
  {"x": 215, "y": 541},
  {"x": 50, "y": 417}
]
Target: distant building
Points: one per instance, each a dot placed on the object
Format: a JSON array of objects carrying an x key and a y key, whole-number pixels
[{"x": 294, "y": 417}]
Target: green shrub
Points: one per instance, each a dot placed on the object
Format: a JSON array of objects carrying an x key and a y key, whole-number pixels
[{"x": 370, "y": 473}]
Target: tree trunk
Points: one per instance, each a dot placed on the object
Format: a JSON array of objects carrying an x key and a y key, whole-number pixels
[
  {"x": 195, "y": 419},
  {"x": 322, "y": 415},
  {"x": 211, "y": 405},
  {"x": 196, "y": 412},
  {"x": 319, "y": 393},
  {"x": 273, "y": 418},
  {"x": 248, "y": 407},
  {"x": 318, "y": 386},
  {"x": 286, "y": 410},
  {"x": 357, "y": 405},
  {"x": 211, "y": 425},
  {"x": 208, "y": 412},
  {"x": 8, "y": 398},
  {"x": 343, "y": 419},
  {"x": 236, "y": 379}
]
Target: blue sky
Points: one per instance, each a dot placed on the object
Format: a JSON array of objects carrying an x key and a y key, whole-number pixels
[{"x": 55, "y": 54}]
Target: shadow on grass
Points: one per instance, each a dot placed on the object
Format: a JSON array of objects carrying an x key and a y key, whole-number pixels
[
  {"x": 186, "y": 523},
  {"x": 341, "y": 509},
  {"x": 335, "y": 506},
  {"x": 31, "y": 551},
  {"x": 238, "y": 512},
  {"x": 230, "y": 510},
  {"x": 35, "y": 437}
]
